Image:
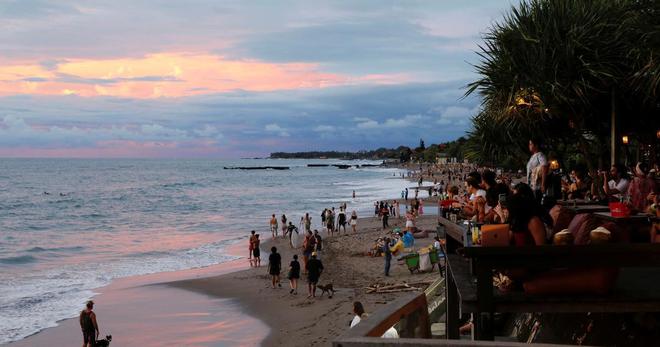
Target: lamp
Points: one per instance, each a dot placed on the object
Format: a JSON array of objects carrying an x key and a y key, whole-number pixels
[
  {"x": 624, "y": 139},
  {"x": 554, "y": 165},
  {"x": 658, "y": 134}
]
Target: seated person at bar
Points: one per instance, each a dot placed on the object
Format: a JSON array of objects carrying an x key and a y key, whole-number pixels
[
  {"x": 578, "y": 186},
  {"x": 496, "y": 208},
  {"x": 476, "y": 206},
  {"x": 616, "y": 183},
  {"x": 526, "y": 217},
  {"x": 641, "y": 188}
]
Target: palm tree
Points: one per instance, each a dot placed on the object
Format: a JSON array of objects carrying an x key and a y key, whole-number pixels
[{"x": 562, "y": 67}]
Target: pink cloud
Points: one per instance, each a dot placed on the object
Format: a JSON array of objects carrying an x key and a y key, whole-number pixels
[{"x": 170, "y": 74}]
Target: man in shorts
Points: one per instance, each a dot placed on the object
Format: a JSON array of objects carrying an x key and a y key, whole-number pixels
[
  {"x": 275, "y": 266},
  {"x": 314, "y": 270},
  {"x": 90, "y": 329}
]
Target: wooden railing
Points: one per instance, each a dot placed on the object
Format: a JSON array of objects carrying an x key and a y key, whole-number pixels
[{"x": 412, "y": 315}]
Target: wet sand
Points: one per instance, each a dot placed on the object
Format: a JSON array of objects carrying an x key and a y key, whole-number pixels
[{"x": 295, "y": 320}]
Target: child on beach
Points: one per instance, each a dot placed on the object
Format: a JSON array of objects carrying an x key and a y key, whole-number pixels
[
  {"x": 294, "y": 275},
  {"x": 256, "y": 252},
  {"x": 274, "y": 266}
]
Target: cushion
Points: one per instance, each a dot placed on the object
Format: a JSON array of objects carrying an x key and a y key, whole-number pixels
[
  {"x": 561, "y": 219},
  {"x": 576, "y": 223},
  {"x": 597, "y": 281},
  {"x": 582, "y": 236}
]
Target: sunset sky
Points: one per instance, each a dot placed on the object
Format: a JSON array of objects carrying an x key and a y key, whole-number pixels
[{"x": 228, "y": 79}]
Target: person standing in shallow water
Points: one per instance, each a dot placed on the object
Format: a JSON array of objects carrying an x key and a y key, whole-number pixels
[
  {"x": 284, "y": 225},
  {"x": 273, "y": 226},
  {"x": 275, "y": 266},
  {"x": 89, "y": 326}
]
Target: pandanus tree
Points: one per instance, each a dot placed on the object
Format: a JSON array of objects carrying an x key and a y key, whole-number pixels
[{"x": 561, "y": 68}]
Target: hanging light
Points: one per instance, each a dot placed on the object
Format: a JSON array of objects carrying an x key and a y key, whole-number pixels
[
  {"x": 658, "y": 134},
  {"x": 554, "y": 165},
  {"x": 624, "y": 139}
]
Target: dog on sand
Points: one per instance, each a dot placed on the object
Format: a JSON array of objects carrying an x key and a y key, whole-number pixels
[
  {"x": 105, "y": 342},
  {"x": 327, "y": 288}
]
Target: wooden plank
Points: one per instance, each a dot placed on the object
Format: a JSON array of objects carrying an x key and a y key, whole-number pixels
[
  {"x": 453, "y": 309},
  {"x": 483, "y": 320},
  {"x": 588, "y": 208},
  {"x": 389, "y": 315},
  {"x": 638, "y": 218}
]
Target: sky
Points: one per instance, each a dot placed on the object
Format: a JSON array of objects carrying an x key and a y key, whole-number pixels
[{"x": 230, "y": 79}]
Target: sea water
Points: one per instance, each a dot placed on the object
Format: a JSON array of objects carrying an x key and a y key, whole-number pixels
[{"x": 68, "y": 226}]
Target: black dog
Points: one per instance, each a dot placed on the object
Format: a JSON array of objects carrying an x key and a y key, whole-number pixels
[
  {"x": 105, "y": 342},
  {"x": 327, "y": 288}
]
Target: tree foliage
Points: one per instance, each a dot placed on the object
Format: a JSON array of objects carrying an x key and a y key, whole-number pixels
[{"x": 552, "y": 68}]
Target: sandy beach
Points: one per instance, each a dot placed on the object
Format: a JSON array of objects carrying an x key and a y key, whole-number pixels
[{"x": 295, "y": 320}]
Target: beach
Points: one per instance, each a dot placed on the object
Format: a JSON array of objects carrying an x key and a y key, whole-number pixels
[
  {"x": 295, "y": 320},
  {"x": 233, "y": 304}
]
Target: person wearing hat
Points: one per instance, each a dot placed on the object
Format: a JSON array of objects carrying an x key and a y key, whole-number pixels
[
  {"x": 314, "y": 270},
  {"x": 90, "y": 329}
]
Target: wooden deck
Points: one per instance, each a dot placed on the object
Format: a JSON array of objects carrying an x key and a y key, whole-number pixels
[{"x": 470, "y": 285}]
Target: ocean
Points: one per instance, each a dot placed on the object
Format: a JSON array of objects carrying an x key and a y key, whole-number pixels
[{"x": 69, "y": 226}]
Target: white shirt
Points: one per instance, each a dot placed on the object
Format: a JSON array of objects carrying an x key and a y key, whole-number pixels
[
  {"x": 536, "y": 162},
  {"x": 391, "y": 333},
  {"x": 622, "y": 186}
]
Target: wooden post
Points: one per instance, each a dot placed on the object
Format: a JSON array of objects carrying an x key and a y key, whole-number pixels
[
  {"x": 453, "y": 308},
  {"x": 613, "y": 130},
  {"x": 483, "y": 318}
]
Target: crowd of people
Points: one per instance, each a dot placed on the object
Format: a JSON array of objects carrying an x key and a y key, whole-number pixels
[{"x": 334, "y": 221}]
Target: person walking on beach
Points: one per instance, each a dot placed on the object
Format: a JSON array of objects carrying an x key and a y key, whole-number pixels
[
  {"x": 386, "y": 214},
  {"x": 290, "y": 229},
  {"x": 341, "y": 220},
  {"x": 284, "y": 225},
  {"x": 354, "y": 219},
  {"x": 406, "y": 195},
  {"x": 294, "y": 275},
  {"x": 275, "y": 266},
  {"x": 308, "y": 248},
  {"x": 251, "y": 245},
  {"x": 387, "y": 254},
  {"x": 89, "y": 326},
  {"x": 314, "y": 270},
  {"x": 256, "y": 251},
  {"x": 273, "y": 226},
  {"x": 318, "y": 244}
]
